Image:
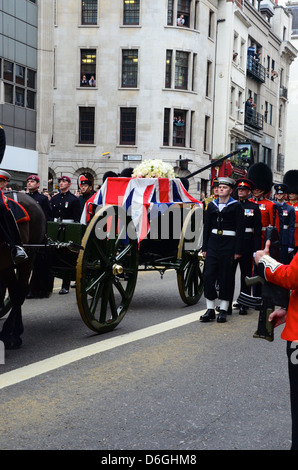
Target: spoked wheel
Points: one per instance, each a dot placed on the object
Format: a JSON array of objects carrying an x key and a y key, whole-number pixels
[
  {"x": 190, "y": 272},
  {"x": 107, "y": 269}
]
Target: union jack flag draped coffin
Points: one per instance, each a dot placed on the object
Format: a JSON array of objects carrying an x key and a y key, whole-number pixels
[{"x": 141, "y": 197}]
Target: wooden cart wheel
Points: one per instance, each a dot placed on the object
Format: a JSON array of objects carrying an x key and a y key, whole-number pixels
[
  {"x": 190, "y": 272},
  {"x": 107, "y": 269}
]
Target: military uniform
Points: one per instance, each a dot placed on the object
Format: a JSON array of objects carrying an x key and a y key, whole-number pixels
[
  {"x": 41, "y": 199},
  {"x": 252, "y": 238},
  {"x": 66, "y": 206},
  {"x": 291, "y": 180},
  {"x": 41, "y": 282},
  {"x": 223, "y": 237},
  {"x": 286, "y": 276},
  {"x": 261, "y": 175},
  {"x": 83, "y": 198},
  {"x": 286, "y": 225}
]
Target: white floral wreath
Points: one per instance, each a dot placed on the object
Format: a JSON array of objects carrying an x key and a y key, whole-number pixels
[{"x": 153, "y": 169}]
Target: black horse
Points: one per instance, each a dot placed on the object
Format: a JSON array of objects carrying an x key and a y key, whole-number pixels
[{"x": 16, "y": 278}]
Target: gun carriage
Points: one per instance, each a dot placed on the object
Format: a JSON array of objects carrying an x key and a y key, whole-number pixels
[{"x": 134, "y": 224}]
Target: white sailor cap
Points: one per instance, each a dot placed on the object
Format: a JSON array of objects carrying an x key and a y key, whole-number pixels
[{"x": 227, "y": 181}]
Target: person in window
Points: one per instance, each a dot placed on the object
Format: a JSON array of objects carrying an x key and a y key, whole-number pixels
[
  {"x": 92, "y": 81},
  {"x": 84, "y": 81},
  {"x": 180, "y": 20},
  {"x": 250, "y": 108}
]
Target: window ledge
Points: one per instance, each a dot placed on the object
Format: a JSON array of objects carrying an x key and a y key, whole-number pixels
[
  {"x": 179, "y": 90},
  {"x": 129, "y": 88},
  {"x": 85, "y": 145},
  {"x": 130, "y": 26},
  {"x": 88, "y": 26},
  {"x": 127, "y": 146},
  {"x": 87, "y": 88}
]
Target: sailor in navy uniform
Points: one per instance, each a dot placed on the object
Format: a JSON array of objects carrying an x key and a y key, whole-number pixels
[
  {"x": 286, "y": 223},
  {"x": 223, "y": 237},
  {"x": 252, "y": 235},
  {"x": 66, "y": 208},
  {"x": 33, "y": 183}
]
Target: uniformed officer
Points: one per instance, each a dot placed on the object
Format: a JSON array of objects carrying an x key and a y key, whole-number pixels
[
  {"x": 223, "y": 237},
  {"x": 86, "y": 191},
  {"x": 252, "y": 235},
  {"x": 261, "y": 175},
  {"x": 33, "y": 183},
  {"x": 41, "y": 282},
  {"x": 291, "y": 180},
  {"x": 286, "y": 223},
  {"x": 66, "y": 207}
]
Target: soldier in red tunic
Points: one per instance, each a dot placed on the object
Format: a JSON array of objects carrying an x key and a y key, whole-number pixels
[
  {"x": 286, "y": 276},
  {"x": 261, "y": 175},
  {"x": 291, "y": 180}
]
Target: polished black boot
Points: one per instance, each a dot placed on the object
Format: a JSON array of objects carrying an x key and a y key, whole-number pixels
[
  {"x": 242, "y": 310},
  {"x": 222, "y": 316},
  {"x": 208, "y": 316}
]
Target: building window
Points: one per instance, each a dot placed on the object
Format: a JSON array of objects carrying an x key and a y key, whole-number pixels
[
  {"x": 86, "y": 125},
  {"x": 16, "y": 92},
  {"x": 179, "y": 126},
  {"x": 183, "y": 13},
  {"x": 8, "y": 93},
  {"x": 30, "y": 99},
  {"x": 208, "y": 78},
  {"x": 128, "y": 126},
  {"x": 20, "y": 97},
  {"x": 170, "y": 12},
  {"x": 181, "y": 70},
  {"x": 168, "y": 81},
  {"x": 270, "y": 117},
  {"x": 211, "y": 25},
  {"x": 88, "y": 67},
  {"x": 8, "y": 70},
  {"x": 207, "y": 134},
  {"x": 20, "y": 75},
  {"x": 166, "y": 127},
  {"x": 89, "y": 12},
  {"x": 266, "y": 157},
  {"x": 129, "y": 68},
  {"x": 183, "y": 8},
  {"x": 31, "y": 78},
  {"x": 131, "y": 12}
]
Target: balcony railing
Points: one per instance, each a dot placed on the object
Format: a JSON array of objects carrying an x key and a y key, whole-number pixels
[
  {"x": 253, "y": 119},
  {"x": 255, "y": 70}
]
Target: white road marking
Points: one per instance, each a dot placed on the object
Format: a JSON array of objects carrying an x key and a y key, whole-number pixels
[{"x": 37, "y": 368}]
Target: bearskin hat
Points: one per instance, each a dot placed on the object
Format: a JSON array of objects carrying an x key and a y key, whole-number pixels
[
  {"x": 291, "y": 180},
  {"x": 261, "y": 175}
]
